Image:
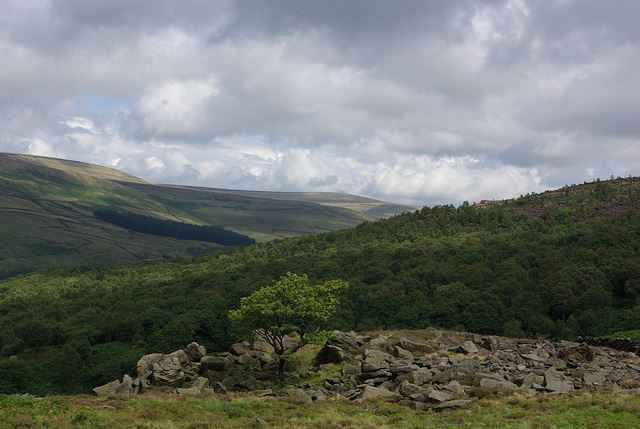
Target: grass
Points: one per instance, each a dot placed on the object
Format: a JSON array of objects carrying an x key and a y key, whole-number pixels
[
  {"x": 46, "y": 206},
  {"x": 166, "y": 410}
]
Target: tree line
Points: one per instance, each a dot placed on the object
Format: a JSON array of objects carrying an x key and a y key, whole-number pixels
[{"x": 168, "y": 228}]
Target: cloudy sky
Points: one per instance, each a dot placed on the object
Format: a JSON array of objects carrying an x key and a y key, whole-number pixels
[{"x": 422, "y": 102}]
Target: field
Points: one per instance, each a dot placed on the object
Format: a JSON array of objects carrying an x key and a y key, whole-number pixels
[
  {"x": 46, "y": 206},
  {"x": 167, "y": 410}
]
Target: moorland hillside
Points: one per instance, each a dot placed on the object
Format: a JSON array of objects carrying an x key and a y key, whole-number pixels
[{"x": 553, "y": 265}]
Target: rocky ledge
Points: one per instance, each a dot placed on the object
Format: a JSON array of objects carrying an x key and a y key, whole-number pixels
[{"x": 431, "y": 370}]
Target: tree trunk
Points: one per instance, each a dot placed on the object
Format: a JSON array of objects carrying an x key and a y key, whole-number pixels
[{"x": 281, "y": 364}]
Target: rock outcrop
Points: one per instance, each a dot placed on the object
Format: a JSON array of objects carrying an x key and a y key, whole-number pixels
[{"x": 438, "y": 373}]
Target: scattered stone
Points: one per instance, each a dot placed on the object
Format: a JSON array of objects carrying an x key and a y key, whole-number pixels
[
  {"x": 195, "y": 352},
  {"x": 126, "y": 386},
  {"x": 468, "y": 347},
  {"x": 455, "y": 404},
  {"x": 413, "y": 373},
  {"x": 415, "y": 347},
  {"x": 214, "y": 363},
  {"x": 436, "y": 396},
  {"x": 370, "y": 392},
  {"x": 107, "y": 389}
]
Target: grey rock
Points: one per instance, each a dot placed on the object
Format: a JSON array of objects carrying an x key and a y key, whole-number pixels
[
  {"x": 415, "y": 347},
  {"x": 195, "y": 352},
  {"x": 381, "y": 373},
  {"x": 436, "y": 396},
  {"x": 201, "y": 383},
  {"x": 407, "y": 389},
  {"x": 594, "y": 379},
  {"x": 188, "y": 390},
  {"x": 442, "y": 376},
  {"x": 147, "y": 362},
  {"x": 370, "y": 392},
  {"x": 468, "y": 347},
  {"x": 490, "y": 382},
  {"x": 551, "y": 375},
  {"x": 466, "y": 366},
  {"x": 125, "y": 388},
  {"x": 107, "y": 389},
  {"x": 420, "y": 376},
  {"x": 480, "y": 376},
  {"x": 559, "y": 386},
  {"x": 455, "y": 404},
  {"x": 239, "y": 349},
  {"x": 349, "y": 370},
  {"x": 375, "y": 360}
]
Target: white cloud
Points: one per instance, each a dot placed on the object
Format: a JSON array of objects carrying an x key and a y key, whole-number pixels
[{"x": 422, "y": 102}]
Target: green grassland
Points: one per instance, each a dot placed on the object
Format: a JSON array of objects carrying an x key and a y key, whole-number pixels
[
  {"x": 261, "y": 218},
  {"x": 166, "y": 410},
  {"x": 46, "y": 207},
  {"x": 374, "y": 208}
]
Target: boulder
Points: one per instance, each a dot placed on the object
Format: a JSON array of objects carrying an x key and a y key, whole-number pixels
[
  {"x": 239, "y": 349},
  {"x": 407, "y": 389},
  {"x": 437, "y": 396},
  {"x": 330, "y": 353},
  {"x": 580, "y": 352},
  {"x": 201, "y": 383},
  {"x": 468, "y": 347},
  {"x": 126, "y": 387},
  {"x": 415, "y": 347},
  {"x": 455, "y": 404},
  {"x": 147, "y": 362},
  {"x": 553, "y": 382},
  {"x": 479, "y": 376},
  {"x": 527, "y": 381},
  {"x": 214, "y": 363},
  {"x": 375, "y": 360},
  {"x": 370, "y": 392},
  {"x": 594, "y": 379},
  {"x": 195, "y": 352},
  {"x": 466, "y": 366},
  {"x": 188, "y": 390},
  {"x": 168, "y": 372},
  {"x": 490, "y": 382},
  {"x": 107, "y": 389},
  {"x": 179, "y": 356},
  {"x": 349, "y": 342},
  {"x": 420, "y": 376},
  {"x": 559, "y": 386}
]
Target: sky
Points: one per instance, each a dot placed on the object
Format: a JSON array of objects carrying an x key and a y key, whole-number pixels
[{"x": 420, "y": 102}]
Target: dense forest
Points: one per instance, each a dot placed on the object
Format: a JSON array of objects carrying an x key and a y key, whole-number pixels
[
  {"x": 168, "y": 228},
  {"x": 557, "y": 264}
]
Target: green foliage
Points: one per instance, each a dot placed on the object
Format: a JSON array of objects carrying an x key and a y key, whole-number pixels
[
  {"x": 290, "y": 305},
  {"x": 514, "y": 268}
]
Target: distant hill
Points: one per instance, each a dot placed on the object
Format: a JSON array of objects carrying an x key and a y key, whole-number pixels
[{"x": 47, "y": 205}]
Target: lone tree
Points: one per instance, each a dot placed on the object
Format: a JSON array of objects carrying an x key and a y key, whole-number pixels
[{"x": 290, "y": 304}]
